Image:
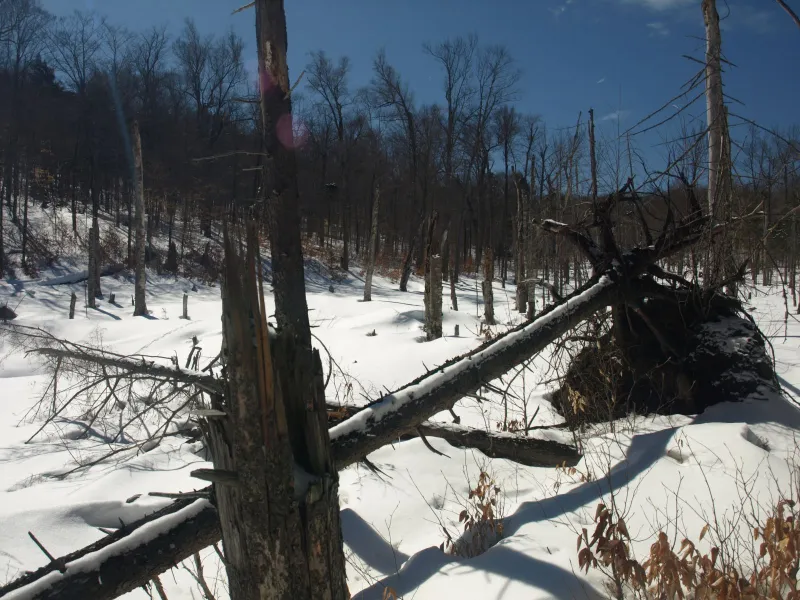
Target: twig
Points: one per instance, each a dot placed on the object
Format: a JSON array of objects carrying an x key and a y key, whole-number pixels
[
  {"x": 159, "y": 588},
  {"x": 243, "y": 8},
  {"x": 428, "y": 444},
  {"x": 57, "y": 563}
]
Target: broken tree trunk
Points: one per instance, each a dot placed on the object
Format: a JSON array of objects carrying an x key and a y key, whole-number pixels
[
  {"x": 433, "y": 314},
  {"x": 373, "y": 240},
  {"x": 140, "y": 304},
  {"x": 279, "y": 505},
  {"x": 519, "y": 448},
  {"x": 426, "y": 262}
]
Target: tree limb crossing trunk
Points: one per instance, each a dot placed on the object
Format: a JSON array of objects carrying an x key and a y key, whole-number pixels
[{"x": 381, "y": 422}]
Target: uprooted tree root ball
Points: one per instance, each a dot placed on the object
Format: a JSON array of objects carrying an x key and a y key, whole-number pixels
[{"x": 676, "y": 351}]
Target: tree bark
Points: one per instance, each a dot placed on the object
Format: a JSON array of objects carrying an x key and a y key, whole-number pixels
[
  {"x": 92, "y": 271},
  {"x": 140, "y": 304}
]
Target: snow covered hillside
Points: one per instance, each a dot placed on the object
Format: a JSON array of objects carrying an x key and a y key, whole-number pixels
[{"x": 672, "y": 474}]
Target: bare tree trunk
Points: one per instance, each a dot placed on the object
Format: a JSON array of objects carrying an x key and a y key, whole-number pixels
[
  {"x": 140, "y": 305},
  {"x": 455, "y": 255},
  {"x": 25, "y": 220},
  {"x": 486, "y": 285},
  {"x": 519, "y": 274},
  {"x": 373, "y": 240},
  {"x": 91, "y": 280},
  {"x": 408, "y": 261},
  {"x": 718, "y": 166},
  {"x": 72, "y": 301},
  {"x": 433, "y": 316}
]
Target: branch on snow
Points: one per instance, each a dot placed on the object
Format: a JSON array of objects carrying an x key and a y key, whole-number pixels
[{"x": 126, "y": 559}]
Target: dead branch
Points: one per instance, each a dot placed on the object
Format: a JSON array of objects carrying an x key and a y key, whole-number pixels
[
  {"x": 789, "y": 11},
  {"x": 134, "y": 367},
  {"x": 524, "y": 450}
]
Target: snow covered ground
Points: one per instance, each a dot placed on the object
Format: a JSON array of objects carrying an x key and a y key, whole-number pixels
[{"x": 675, "y": 474}]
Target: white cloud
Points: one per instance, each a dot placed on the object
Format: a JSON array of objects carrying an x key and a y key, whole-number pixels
[
  {"x": 559, "y": 10},
  {"x": 617, "y": 115},
  {"x": 658, "y": 29},
  {"x": 661, "y": 5},
  {"x": 602, "y": 80}
]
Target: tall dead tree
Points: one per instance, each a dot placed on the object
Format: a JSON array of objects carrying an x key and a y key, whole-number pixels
[
  {"x": 719, "y": 157},
  {"x": 373, "y": 240},
  {"x": 280, "y": 522},
  {"x": 486, "y": 286},
  {"x": 523, "y": 190},
  {"x": 140, "y": 304}
]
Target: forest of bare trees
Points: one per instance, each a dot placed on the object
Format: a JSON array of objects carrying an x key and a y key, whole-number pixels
[
  {"x": 452, "y": 178},
  {"x": 162, "y": 133}
]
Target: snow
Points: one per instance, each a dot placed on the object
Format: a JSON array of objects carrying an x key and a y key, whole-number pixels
[{"x": 671, "y": 473}]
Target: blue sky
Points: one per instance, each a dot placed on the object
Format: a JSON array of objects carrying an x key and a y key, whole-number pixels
[{"x": 620, "y": 57}]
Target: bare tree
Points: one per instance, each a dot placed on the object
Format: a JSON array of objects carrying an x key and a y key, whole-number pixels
[
  {"x": 373, "y": 240},
  {"x": 75, "y": 45},
  {"x": 456, "y": 57},
  {"x": 23, "y": 29},
  {"x": 393, "y": 96},
  {"x": 140, "y": 304},
  {"x": 193, "y": 53},
  {"x": 329, "y": 83}
]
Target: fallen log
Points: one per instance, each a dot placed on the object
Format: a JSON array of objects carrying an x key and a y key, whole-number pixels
[
  {"x": 529, "y": 451},
  {"x": 124, "y": 560}
]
